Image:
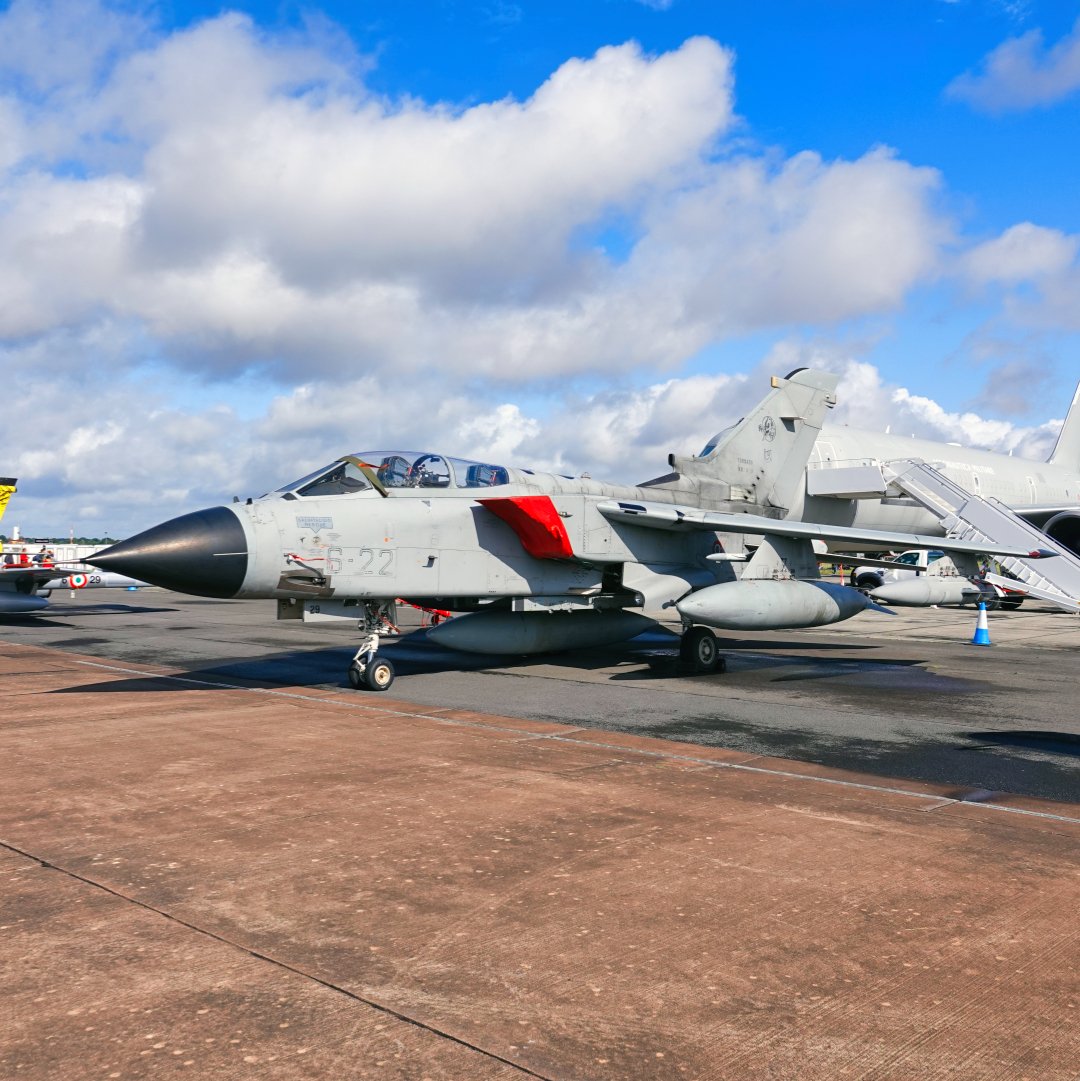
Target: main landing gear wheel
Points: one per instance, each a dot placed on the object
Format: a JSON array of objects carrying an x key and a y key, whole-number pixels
[{"x": 699, "y": 652}]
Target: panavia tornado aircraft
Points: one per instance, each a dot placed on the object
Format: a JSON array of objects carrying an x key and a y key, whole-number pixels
[{"x": 538, "y": 562}]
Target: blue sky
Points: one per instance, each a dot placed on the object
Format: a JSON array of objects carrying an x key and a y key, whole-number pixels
[{"x": 241, "y": 239}]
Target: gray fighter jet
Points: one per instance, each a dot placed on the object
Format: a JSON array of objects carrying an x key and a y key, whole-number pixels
[{"x": 538, "y": 562}]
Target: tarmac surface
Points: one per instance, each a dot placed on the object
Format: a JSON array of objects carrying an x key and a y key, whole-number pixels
[
  {"x": 901, "y": 696},
  {"x": 218, "y": 861}
]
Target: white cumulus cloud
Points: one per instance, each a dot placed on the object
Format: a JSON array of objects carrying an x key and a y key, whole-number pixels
[
  {"x": 248, "y": 201},
  {"x": 1021, "y": 73},
  {"x": 1024, "y": 252}
]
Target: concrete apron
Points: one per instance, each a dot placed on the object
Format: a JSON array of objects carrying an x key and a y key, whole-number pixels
[{"x": 295, "y": 883}]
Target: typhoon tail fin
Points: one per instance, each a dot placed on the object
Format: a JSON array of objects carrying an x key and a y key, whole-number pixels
[
  {"x": 763, "y": 457},
  {"x": 1066, "y": 452},
  {"x": 7, "y": 490}
]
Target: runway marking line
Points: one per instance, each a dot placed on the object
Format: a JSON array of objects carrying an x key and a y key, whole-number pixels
[{"x": 771, "y": 771}]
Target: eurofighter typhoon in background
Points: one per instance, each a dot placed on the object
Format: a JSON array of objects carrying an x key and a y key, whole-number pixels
[{"x": 537, "y": 562}]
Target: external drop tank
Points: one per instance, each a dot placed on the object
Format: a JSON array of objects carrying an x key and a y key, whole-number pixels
[{"x": 765, "y": 605}]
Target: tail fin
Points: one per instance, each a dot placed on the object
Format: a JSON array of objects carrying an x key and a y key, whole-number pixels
[
  {"x": 7, "y": 490},
  {"x": 1066, "y": 452},
  {"x": 764, "y": 456}
]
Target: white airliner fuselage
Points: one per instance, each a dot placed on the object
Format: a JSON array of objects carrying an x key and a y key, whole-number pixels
[{"x": 1045, "y": 493}]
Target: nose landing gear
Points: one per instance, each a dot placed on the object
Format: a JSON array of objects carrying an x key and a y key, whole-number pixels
[{"x": 366, "y": 671}]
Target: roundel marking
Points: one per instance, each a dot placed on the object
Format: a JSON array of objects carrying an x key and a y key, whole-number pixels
[{"x": 77, "y": 581}]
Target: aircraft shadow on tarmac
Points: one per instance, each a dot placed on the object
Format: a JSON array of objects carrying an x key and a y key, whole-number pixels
[
  {"x": 1031, "y": 739},
  {"x": 774, "y": 667},
  {"x": 651, "y": 657},
  {"x": 764, "y": 645},
  {"x": 60, "y": 617},
  {"x": 411, "y": 655}
]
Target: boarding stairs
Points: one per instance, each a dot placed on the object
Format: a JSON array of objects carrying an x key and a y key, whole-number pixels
[{"x": 971, "y": 517}]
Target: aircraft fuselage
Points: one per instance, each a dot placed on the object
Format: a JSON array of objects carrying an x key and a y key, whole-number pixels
[{"x": 1037, "y": 490}]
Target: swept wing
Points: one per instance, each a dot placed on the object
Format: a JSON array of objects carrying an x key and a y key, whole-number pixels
[{"x": 675, "y": 517}]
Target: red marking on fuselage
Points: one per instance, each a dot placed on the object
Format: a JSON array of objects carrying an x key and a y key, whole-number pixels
[{"x": 536, "y": 522}]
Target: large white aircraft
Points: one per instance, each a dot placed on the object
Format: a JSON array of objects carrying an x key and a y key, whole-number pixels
[
  {"x": 542, "y": 562},
  {"x": 1046, "y": 494}
]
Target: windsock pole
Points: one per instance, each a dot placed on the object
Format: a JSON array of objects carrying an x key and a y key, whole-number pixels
[{"x": 982, "y": 630}]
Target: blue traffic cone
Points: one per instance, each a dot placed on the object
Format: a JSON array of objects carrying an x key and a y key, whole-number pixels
[{"x": 982, "y": 631}]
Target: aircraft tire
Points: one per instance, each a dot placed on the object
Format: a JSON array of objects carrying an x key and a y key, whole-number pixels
[
  {"x": 699, "y": 652},
  {"x": 1010, "y": 604},
  {"x": 356, "y": 677},
  {"x": 379, "y": 674}
]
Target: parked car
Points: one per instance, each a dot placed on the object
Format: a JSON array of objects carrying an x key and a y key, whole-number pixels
[{"x": 905, "y": 565}]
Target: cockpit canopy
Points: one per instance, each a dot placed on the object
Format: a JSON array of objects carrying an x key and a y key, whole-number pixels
[
  {"x": 717, "y": 439},
  {"x": 396, "y": 469}
]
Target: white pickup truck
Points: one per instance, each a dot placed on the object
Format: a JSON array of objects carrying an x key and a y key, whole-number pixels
[{"x": 905, "y": 565}]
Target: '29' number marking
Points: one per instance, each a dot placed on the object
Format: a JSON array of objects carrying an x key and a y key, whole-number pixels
[{"x": 369, "y": 561}]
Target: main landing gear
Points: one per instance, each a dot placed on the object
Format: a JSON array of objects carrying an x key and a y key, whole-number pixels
[
  {"x": 367, "y": 672},
  {"x": 699, "y": 652}
]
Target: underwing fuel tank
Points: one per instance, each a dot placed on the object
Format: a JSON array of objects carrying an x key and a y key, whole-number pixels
[
  {"x": 18, "y": 604},
  {"x": 537, "y": 632},
  {"x": 923, "y": 591},
  {"x": 764, "y": 605}
]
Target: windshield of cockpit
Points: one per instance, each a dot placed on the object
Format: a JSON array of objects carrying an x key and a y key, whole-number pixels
[{"x": 396, "y": 469}]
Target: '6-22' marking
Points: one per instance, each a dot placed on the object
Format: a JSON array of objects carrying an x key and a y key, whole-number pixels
[{"x": 369, "y": 561}]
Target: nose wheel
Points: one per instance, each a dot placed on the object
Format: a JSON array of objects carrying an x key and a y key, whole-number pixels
[
  {"x": 699, "y": 652},
  {"x": 375, "y": 674}
]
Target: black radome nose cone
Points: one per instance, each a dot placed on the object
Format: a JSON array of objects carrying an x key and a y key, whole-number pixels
[{"x": 204, "y": 553}]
